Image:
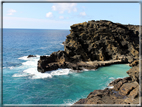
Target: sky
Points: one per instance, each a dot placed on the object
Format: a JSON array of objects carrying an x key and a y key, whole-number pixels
[{"x": 63, "y": 15}]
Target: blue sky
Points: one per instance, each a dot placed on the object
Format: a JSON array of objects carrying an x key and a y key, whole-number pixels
[{"x": 63, "y": 15}]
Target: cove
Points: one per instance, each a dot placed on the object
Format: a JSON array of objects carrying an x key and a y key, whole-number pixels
[{"x": 62, "y": 89}]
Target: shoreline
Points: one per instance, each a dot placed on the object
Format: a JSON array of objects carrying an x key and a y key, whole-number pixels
[
  {"x": 61, "y": 60},
  {"x": 109, "y": 86},
  {"x": 95, "y": 44},
  {"x": 115, "y": 92}
]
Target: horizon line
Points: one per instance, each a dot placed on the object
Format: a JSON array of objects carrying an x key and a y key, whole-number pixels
[{"x": 38, "y": 28}]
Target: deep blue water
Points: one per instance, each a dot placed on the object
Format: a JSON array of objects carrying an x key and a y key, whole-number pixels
[{"x": 23, "y": 84}]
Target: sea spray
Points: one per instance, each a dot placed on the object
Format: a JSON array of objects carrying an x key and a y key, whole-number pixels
[{"x": 31, "y": 69}]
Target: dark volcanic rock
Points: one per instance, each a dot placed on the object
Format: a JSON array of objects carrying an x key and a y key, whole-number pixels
[
  {"x": 31, "y": 56},
  {"x": 96, "y": 40},
  {"x": 102, "y": 40},
  {"x": 48, "y": 63},
  {"x": 54, "y": 61}
]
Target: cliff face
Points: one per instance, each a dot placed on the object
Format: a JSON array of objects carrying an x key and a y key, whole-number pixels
[
  {"x": 102, "y": 40},
  {"x": 94, "y": 40}
]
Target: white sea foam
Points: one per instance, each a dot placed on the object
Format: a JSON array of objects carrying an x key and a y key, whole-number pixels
[
  {"x": 111, "y": 78},
  {"x": 85, "y": 69},
  {"x": 30, "y": 69},
  {"x": 11, "y": 67},
  {"x": 32, "y": 61},
  {"x": 49, "y": 74},
  {"x": 120, "y": 77},
  {"x": 70, "y": 102},
  {"x": 88, "y": 69},
  {"x": 47, "y": 55},
  {"x": 62, "y": 44},
  {"x": 37, "y": 56},
  {"x": 26, "y": 57},
  {"x": 29, "y": 63},
  {"x": 60, "y": 72},
  {"x": 34, "y": 74},
  {"x": 110, "y": 87},
  {"x": 23, "y": 58},
  {"x": 19, "y": 75}
]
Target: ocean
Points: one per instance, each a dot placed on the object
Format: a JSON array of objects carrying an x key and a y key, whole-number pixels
[{"x": 23, "y": 84}]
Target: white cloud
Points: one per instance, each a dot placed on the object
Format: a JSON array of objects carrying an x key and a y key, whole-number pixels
[
  {"x": 54, "y": 8},
  {"x": 82, "y": 13},
  {"x": 61, "y": 17},
  {"x": 49, "y": 14},
  {"x": 62, "y": 7},
  {"x": 11, "y": 11}
]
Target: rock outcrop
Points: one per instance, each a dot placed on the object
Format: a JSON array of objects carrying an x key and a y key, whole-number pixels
[
  {"x": 29, "y": 56},
  {"x": 54, "y": 61},
  {"x": 61, "y": 60},
  {"x": 94, "y": 41},
  {"x": 102, "y": 40}
]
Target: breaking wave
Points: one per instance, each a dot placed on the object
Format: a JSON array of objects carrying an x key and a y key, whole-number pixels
[{"x": 30, "y": 69}]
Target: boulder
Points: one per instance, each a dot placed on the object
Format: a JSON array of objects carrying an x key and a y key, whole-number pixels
[
  {"x": 134, "y": 63},
  {"x": 31, "y": 56},
  {"x": 134, "y": 73},
  {"x": 127, "y": 88}
]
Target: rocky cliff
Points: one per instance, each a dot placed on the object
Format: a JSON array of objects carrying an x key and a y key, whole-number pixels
[
  {"x": 99, "y": 43},
  {"x": 94, "y": 41},
  {"x": 102, "y": 40}
]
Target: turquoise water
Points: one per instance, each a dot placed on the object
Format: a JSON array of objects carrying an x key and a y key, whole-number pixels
[{"x": 23, "y": 84}]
